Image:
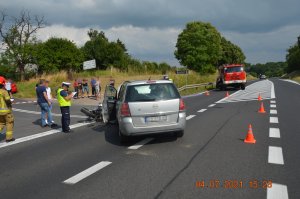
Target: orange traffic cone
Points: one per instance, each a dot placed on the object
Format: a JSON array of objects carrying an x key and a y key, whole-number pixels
[
  {"x": 250, "y": 137},
  {"x": 259, "y": 97},
  {"x": 262, "y": 108},
  {"x": 207, "y": 93},
  {"x": 227, "y": 94}
]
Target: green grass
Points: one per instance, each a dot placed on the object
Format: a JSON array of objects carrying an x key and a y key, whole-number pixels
[
  {"x": 26, "y": 89},
  {"x": 295, "y": 75}
]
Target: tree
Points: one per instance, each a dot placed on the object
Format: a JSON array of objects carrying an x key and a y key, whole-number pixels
[
  {"x": 96, "y": 48},
  {"x": 105, "y": 53},
  {"x": 231, "y": 53},
  {"x": 293, "y": 58},
  {"x": 18, "y": 35},
  {"x": 58, "y": 54},
  {"x": 199, "y": 47}
]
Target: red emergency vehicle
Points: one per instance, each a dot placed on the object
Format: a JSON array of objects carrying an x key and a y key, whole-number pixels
[{"x": 231, "y": 75}]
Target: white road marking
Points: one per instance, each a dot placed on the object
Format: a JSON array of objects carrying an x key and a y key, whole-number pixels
[
  {"x": 277, "y": 191},
  {"x": 275, "y": 155},
  {"x": 273, "y": 102},
  {"x": 212, "y": 105},
  {"x": 202, "y": 110},
  {"x": 39, "y": 135},
  {"x": 140, "y": 144},
  {"x": 274, "y": 132},
  {"x": 86, "y": 173},
  {"x": 274, "y": 120},
  {"x": 265, "y": 88},
  {"x": 273, "y": 105},
  {"x": 190, "y": 117},
  {"x": 272, "y": 91},
  {"x": 291, "y": 81},
  {"x": 53, "y": 114},
  {"x": 273, "y": 111}
]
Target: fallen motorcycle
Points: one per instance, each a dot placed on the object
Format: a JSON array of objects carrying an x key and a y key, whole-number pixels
[{"x": 93, "y": 114}]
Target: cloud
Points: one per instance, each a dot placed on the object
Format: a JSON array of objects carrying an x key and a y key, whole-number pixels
[
  {"x": 153, "y": 44},
  {"x": 264, "y": 29},
  {"x": 266, "y": 46},
  {"x": 158, "y": 44}
]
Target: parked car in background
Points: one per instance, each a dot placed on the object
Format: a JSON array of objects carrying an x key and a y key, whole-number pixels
[
  {"x": 14, "y": 88},
  {"x": 145, "y": 107}
]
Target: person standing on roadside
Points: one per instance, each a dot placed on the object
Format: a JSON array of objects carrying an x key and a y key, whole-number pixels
[
  {"x": 64, "y": 97},
  {"x": 49, "y": 95},
  {"x": 45, "y": 104},
  {"x": 8, "y": 88},
  {"x": 111, "y": 81},
  {"x": 85, "y": 88},
  {"x": 6, "y": 116},
  {"x": 98, "y": 89},
  {"x": 76, "y": 89},
  {"x": 80, "y": 88},
  {"x": 93, "y": 84}
]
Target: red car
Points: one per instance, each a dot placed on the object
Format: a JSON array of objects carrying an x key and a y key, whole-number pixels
[{"x": 14, "y": 88}]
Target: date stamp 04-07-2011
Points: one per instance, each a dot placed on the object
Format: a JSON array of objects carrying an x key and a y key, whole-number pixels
[{"x": 234, "y": 184}]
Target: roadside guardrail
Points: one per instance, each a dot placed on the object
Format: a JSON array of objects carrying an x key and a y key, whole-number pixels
[{"x": 195, "y": 86}]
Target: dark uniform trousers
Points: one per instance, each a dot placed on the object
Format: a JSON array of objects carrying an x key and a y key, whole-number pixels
[{"x": 65, "y": 118}]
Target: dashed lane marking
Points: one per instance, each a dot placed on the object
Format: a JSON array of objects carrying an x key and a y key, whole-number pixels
[
  {"x": 140, "y": 144},
  {"x": 273, "y": 105},
  {"x": 190, "y": 117},
  {"x": 53, "y": 114},
  {"x": 274, "y": 120},
  {"x": 212, "y": 105},
  {"x": 39, "y": 135},
  {"x": 275, "y": 155},
  {"x": 27, "y": 102},
  {"x": 202, "y": 110},
  {"x": 277, "y": 191},
  {"x": 273, "y": 102},
  {"x": 86, "y": 173},
  {"x": 274, "y": 132},
  {"x": 274, "y": 112}
]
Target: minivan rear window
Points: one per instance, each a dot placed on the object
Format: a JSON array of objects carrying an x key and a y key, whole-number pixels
[
  {"x": 151, "y": 92},
  {"x": 234, "y": 69}
]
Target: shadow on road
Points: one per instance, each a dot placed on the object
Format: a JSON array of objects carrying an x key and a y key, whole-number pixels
[{"x": 112, "y": 136}]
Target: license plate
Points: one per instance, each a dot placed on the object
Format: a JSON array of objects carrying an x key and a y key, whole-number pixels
[{"x": 156, "y": 118}]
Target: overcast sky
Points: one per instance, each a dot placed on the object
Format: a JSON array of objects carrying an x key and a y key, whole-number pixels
[{"x": 264, "y": 29}]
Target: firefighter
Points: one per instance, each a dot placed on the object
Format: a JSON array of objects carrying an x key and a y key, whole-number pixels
[
  {"x": 6, "y": 116},
  {"x": 64, "y": 97}
]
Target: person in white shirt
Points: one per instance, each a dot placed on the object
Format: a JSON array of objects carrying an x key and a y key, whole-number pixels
[
  {"x": 8, "y": 88},
  {"x": 49, "y": 95}
]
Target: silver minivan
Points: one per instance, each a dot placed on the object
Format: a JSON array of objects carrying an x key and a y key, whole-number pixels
[{"x": 145, "y": 107}]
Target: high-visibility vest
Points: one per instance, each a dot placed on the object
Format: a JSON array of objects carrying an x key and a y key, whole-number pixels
[
  {"x": 61, "y": 100},
  {"x": 4, "y": 109}
]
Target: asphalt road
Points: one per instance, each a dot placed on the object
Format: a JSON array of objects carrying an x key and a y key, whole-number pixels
[{"x": 91, "y": 163}]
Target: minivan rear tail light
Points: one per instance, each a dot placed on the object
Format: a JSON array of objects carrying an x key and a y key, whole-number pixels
[
  {"x": 181, "y": 105},
  {"x": 125, "y": 111}
]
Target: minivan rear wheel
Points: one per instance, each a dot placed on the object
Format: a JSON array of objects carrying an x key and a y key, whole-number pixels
[
  {"x": 179, "y": 134},
  {"x": 123, "y": 138}
]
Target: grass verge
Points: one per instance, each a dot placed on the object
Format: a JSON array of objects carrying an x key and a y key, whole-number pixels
[{"x": 27, "y": 88}]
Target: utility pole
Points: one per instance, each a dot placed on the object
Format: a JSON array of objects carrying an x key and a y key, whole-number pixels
[{"x": 299, "y": 41}]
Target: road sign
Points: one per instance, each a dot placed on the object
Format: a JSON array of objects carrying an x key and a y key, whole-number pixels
[
  {"x": 182, "y": 72},
  {"x": 89, "y": 64}
]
